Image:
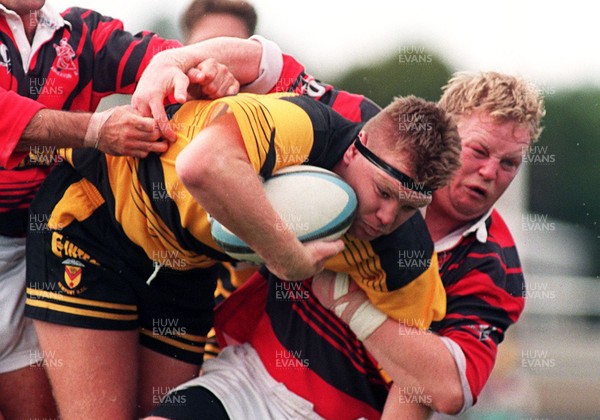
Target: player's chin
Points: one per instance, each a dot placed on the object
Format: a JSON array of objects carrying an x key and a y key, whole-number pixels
[{"x": 360, "y": 232}]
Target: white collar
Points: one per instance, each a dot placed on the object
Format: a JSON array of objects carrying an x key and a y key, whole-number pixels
[
  {"x": 452, "y": 239},
  {"x": 47, "y": 17},
  {"x": 49, "y": 21}
]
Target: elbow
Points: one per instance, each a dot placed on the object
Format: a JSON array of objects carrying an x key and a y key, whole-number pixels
[
  {"x": 450, "y": 401},
  {"x": 196, "y": 170}
]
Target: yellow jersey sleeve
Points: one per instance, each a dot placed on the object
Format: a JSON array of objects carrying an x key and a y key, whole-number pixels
[{"x": 276, "y": 133}]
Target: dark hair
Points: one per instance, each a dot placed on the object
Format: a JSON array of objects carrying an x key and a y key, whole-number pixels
[{"x": 198, "y": 8}]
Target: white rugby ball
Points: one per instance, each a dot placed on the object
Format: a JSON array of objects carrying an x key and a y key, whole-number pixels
[{"x": 312, "y": 202}]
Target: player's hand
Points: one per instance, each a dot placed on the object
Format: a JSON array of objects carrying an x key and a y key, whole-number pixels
[
  {"x": 308, "y": 263},
  {"x": 211, "y": 79},
  {"x": 164, "y": 76},
  {"x": 126, "y": 132},
  {"x": 167, "y": 75}
]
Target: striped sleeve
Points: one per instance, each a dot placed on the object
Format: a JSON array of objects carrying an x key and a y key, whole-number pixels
[
  {"x": 119, "y": 58},
  {"x": 398, "y": 272},
  {"x": 484, "y": 286},
  {"x": 276, "y": 133},
  {"x": 295, "y": 79}
]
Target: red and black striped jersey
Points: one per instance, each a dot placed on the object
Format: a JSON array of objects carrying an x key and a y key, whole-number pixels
[
  {"x": 484, "y": 285},
  {"x": 75, "y": 59},
  {"x": 304, "y": 346},
  {"x": 351, "y": 105},
  {"x": 483, "y": 279}
]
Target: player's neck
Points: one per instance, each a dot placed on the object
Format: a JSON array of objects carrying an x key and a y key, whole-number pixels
[
  {"x": 30, "y": 25},
  {"x": 439, "y": 222}
]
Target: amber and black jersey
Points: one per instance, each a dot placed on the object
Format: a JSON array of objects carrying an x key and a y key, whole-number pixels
[{"x": 154, "y": 211}]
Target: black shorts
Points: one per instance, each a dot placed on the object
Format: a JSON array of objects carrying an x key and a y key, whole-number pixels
[{"x": 90, "y": 275}]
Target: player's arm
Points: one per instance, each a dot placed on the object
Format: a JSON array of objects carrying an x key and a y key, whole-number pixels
[
  {"x": 404, "y": 403},
  {"x": 216, "y": 169},
  {"x": 171, "y": 71},
  {"x": 415, "y": 359},
  {"x": 27, "y": 124}
]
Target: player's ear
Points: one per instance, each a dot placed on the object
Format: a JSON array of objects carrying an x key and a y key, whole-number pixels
[{"x": 352, "y": 152}]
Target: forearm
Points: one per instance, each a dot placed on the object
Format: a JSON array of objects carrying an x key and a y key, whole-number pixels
[
  {"x": 418, "y": 361},
  {"x": 251, "y": 217},
  {"x": 405, "y": 404},
  {"x": 241, "y": 56},
  {"x": 54, "y": 128}
]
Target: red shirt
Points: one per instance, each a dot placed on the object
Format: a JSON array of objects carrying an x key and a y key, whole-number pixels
[{"x": 76, "y": 59}]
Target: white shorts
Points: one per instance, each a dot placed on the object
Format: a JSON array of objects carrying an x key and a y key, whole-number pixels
[
  {"x": 18, "y": 343},
  {"x": 239, "y": 379}
]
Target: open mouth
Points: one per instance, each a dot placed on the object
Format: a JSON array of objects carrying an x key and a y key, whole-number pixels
[{"x": 479, "y": 191}]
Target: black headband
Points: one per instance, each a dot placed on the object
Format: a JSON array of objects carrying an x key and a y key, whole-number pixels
[{"x": 404, "y": 179}]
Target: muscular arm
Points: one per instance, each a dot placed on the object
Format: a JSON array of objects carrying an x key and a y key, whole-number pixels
[
  {"x": 123, "y": 132},
  {"x": 54, "y": 128},
  {"x": 419, "y": 361},
  {"x": 237, "y": 200},
  {"x": 171, "y": 72},
  {"x": 404, "y": 403}
]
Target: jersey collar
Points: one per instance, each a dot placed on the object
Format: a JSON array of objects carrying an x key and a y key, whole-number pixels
[
  {"x": 452, "y": 239},
  {"x": 49, "y": 21}
]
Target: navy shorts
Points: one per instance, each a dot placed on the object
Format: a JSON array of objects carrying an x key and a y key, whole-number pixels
[{"x": 90, "y": 275}]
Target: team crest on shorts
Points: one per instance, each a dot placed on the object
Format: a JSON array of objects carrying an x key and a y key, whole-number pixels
[{"x": 72, "y": 277}]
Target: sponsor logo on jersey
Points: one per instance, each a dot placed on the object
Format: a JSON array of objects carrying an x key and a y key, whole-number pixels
[{"x": 62, "y": 248}]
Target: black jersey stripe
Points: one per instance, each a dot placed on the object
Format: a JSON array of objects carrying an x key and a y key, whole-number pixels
[
  {"x": 150, "y": 170},
  {"x": 263, "y": 120},
  {"x": 325, "y": 359}
]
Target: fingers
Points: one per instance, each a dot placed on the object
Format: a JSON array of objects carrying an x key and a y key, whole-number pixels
[
  {"x": 181, "y": 83},
  {"x": 161, "y": 121},
  {"x": 323, "y": 250},
  {"x": 215, "y": 79},
  {"x": 128, "y": 133}
]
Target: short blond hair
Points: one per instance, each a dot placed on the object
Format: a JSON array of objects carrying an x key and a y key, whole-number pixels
[
  {"x": 504, "y": 97},
  {"x": 423, "y": 131}
]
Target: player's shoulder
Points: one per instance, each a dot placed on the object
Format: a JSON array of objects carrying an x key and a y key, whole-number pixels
[
  {"x": 88, "y": 20},
  {"x": 412, "y": 234},
  {"x": 321, "y": 114},
  {"x": 499, "y": 231}
]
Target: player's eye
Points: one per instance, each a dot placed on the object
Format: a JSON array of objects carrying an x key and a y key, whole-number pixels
[{"x": 383, "y": 194}]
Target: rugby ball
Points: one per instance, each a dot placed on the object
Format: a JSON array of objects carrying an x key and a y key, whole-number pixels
[{"x": 314, "y": 203}]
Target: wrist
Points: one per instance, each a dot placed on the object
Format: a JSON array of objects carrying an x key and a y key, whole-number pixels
[
  {"x": 94, "y": 128},
  {"x": 355, "y": 309}
]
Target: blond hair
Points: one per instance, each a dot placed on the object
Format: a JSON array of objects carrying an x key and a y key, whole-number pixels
[
  {"x": 504, "y": 97},
  {"x": 423, "y": 131}
]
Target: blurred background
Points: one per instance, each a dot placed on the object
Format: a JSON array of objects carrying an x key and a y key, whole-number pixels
[{"x": 549, "y": 365}]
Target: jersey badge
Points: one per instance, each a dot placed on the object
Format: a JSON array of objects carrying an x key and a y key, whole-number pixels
[
  {"x": 5, "y": 60},
  {"x": 72, "y": 277},
  {"x": 65, "y": 56}
]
